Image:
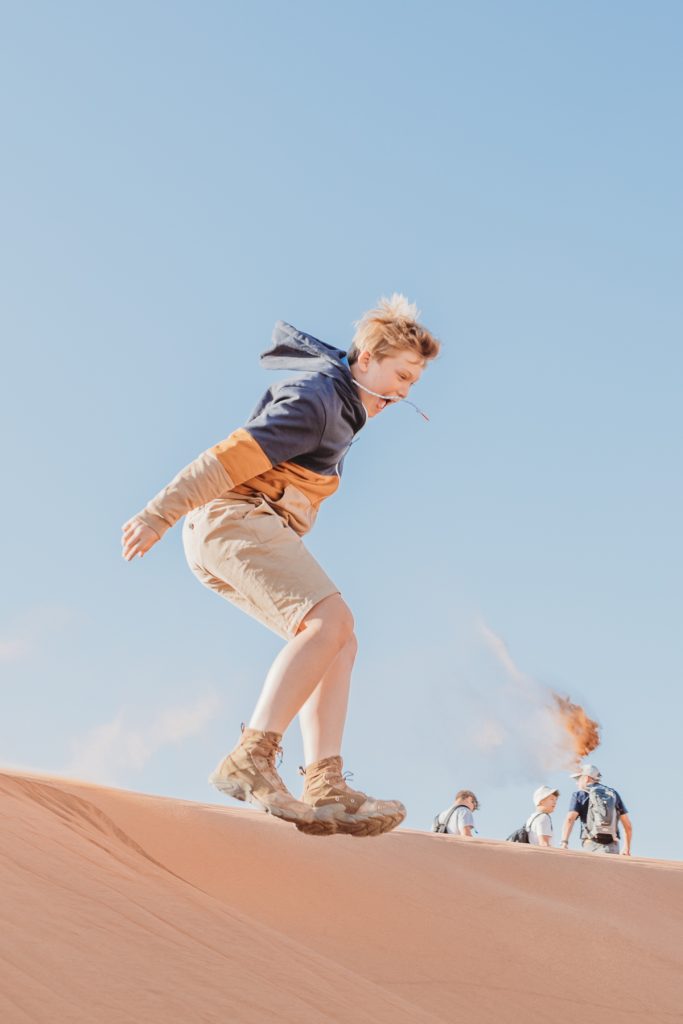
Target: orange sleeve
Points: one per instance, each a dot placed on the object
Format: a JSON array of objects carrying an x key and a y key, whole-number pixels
[
  {"x": 241, "y": 457},
  {"x": 220, "y": 469}
]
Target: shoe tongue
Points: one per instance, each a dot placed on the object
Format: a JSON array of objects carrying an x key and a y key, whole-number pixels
[{"x": 319, "y": 769}]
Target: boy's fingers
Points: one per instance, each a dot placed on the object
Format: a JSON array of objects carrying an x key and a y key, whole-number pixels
[
  {"x": 130, "y": 549},
  {"x": 132, "y": 533},
  {"x": 137, "y": 539},
  {"x": 132, "y": 524}
]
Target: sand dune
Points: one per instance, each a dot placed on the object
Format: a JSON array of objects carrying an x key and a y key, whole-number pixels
[{"x": 118, "y": 907}]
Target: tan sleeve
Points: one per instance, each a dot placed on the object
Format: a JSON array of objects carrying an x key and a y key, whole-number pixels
[
  {"x": 220, "y": 469},
  {"x": 203, "y": 480}
]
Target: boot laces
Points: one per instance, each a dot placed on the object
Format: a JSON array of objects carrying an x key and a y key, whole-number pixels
[
  {"x": 276, "y": 754},
  {"x": 274, "y": 760},
  {"x": 339, "y": 779}
]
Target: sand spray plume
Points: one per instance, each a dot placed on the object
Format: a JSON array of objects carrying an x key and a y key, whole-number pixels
[
  {"x": 583, "y": 731},
  {"x": 523, "y": 727},
  {"x": 496, "y": 644}
]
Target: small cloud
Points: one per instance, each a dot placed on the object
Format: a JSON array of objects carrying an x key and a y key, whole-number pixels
[
  {"x": 116, "y": 749},
  {"x": 176, "y": 724}
]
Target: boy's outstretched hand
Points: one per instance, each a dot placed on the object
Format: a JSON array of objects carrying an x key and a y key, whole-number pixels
[{"x": 137, "y": 539}]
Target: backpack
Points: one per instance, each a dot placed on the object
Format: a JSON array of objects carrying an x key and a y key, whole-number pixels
[
  {"x": 601, "y": 815},
  {"x": 442, "y": 827},
  {"x": 521, "y": 834}
]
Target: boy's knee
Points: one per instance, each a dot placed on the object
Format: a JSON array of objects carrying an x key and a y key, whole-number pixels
[
  {"x": 351, "y": 646},
  {"x": 335, "y": 617},
  {"x": 346, "y": 623},
  {"x": 341, "y": 624}
]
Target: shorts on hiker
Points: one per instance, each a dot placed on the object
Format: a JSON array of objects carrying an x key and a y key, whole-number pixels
[
  {"x": 592, "y": 847},
  {"x": 246, "y": 552}
]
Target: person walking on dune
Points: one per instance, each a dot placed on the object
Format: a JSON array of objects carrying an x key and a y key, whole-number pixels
[
  {"x": 458, "y": 819},
  {"x": 247, "y": 502},
  {"x": 539, "y": 825},
  {"x": 601, "y": 811}
]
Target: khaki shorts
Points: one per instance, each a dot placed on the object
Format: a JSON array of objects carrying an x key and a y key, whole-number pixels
[{"x": 248, "y": 554}]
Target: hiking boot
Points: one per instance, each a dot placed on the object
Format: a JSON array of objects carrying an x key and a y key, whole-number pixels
[
  {"x": 248, "y": 773},
  {"x": 353, "y": 813}
]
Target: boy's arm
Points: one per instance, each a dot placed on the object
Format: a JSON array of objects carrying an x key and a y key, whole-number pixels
[
  {"x": 210, "y": 475},
  {"x": 288, "y": 427},
  {"x": 204, "y": 479}
]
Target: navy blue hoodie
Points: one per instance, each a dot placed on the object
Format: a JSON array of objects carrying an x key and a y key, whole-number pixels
[
  {"x": 290, "y": 451},
  {"x": 311, "y": 419}
]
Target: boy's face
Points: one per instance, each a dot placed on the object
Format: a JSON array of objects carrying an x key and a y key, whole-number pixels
[{"x": 392, "y": 377}]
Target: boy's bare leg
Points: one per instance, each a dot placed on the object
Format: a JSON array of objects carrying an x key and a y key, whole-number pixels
[
  {"x": 249, "y": 771},
  {"x": 323, "y": 716},
  {"x": 326, "y": 789},
  {"x": 302, "y": 664},
  {"x": 310, "y": 676}
]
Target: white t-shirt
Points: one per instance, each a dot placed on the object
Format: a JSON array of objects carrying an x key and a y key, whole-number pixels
[
  {"x": 459, "y": 819},
  {"x": 539, "y": 824}
]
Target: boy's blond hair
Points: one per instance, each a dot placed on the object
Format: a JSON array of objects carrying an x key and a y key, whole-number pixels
[{"x": 393, "y": 327}]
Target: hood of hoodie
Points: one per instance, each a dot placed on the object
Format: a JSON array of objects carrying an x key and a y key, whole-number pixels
[{"x": 295, "y": 350}]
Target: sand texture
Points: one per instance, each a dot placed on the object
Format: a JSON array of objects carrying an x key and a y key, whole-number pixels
[{"x": 117, "y": 908}]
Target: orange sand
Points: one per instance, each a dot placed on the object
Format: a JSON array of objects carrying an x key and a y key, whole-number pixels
[
  {"x": 583, "y": 731},
  {"x": 119, "y": 908}
]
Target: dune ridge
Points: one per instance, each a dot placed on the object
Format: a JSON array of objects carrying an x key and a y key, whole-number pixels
[{"x": 120, "y": 907}]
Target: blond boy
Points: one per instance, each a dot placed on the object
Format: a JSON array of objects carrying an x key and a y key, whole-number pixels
[{"x": 247, "y": 502}]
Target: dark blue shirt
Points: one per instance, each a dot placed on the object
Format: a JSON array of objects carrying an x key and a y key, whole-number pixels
[{"x": 579, "y": 803}]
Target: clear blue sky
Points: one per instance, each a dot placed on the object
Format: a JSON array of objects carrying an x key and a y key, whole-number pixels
[{"x": 176, "y": 177}]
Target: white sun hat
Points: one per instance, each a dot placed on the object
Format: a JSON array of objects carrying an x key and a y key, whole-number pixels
[{"x": 542, "y": 792}]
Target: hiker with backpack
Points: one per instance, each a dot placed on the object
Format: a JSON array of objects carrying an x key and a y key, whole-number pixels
[
  {"x": 539, "y": 825},
  {"x": 601, "y": 811},
  {"x": 458, "y": 819},
  {"x": 538, "y": 828}
]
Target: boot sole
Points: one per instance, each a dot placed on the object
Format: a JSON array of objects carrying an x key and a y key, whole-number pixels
[
  {"x": 229, "y": 787},
  {"x": 317, "y": 828},
  {"x": 359, "y": 826},
  {"x": 241, "y": 791}
]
